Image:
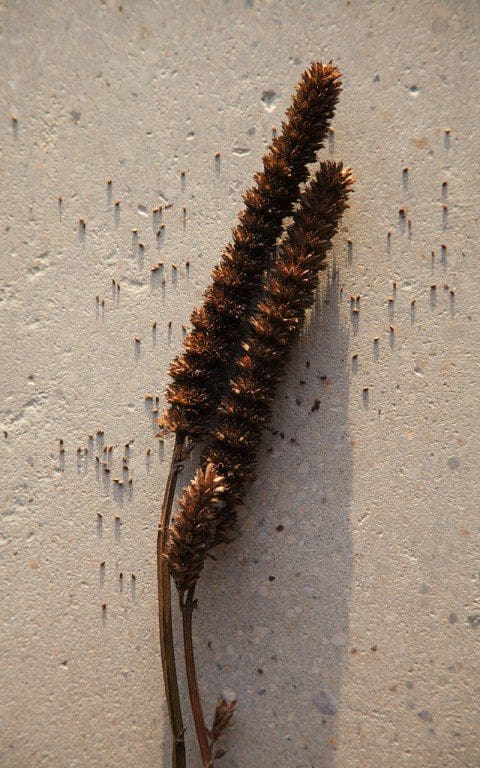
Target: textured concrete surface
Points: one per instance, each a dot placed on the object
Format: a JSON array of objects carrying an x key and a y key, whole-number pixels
[{"x": 350, "y": 634}]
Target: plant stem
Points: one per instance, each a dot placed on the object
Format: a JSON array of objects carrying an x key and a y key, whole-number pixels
[
  {"x": 197, "y": 712},
  {"x": 165, "y": 611}
]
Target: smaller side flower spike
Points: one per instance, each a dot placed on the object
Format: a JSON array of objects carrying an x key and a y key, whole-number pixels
[{"x": 191, "y": 537}]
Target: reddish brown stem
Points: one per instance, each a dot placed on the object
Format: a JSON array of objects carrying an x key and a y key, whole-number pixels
[
  {"x": 165, "y": 612},
  {"x": 187, "y": 607}
]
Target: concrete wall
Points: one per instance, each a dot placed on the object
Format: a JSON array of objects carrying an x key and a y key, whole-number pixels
[{"x": 363, "y": 651}]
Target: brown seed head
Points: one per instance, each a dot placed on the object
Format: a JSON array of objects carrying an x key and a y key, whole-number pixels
[{"x": 199, "y": 377}]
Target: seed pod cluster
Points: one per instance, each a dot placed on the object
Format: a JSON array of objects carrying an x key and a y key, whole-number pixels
[{"x": 199, "y": 375}]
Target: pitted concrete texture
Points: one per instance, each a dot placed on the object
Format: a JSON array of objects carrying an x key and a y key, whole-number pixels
[{"x": 346, "y": 615}]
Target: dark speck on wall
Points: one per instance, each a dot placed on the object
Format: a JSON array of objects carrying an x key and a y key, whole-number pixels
[
  {"x": 324, "y": 703},
  {"x": 453, "y": 462},
  {"x": 425, "y": 715}
]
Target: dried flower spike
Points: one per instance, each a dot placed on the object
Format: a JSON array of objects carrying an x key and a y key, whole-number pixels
[
  {"x": 190, "y": 537},
  {"x": 200, "y": 373},
  {"x": 206, "y": 511}
]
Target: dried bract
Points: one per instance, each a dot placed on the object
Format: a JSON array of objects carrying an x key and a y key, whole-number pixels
[{"x": 223, "y": 713}]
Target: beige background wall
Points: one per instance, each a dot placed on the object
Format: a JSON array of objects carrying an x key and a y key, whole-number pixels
[{"x": 367, "y": 639}]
